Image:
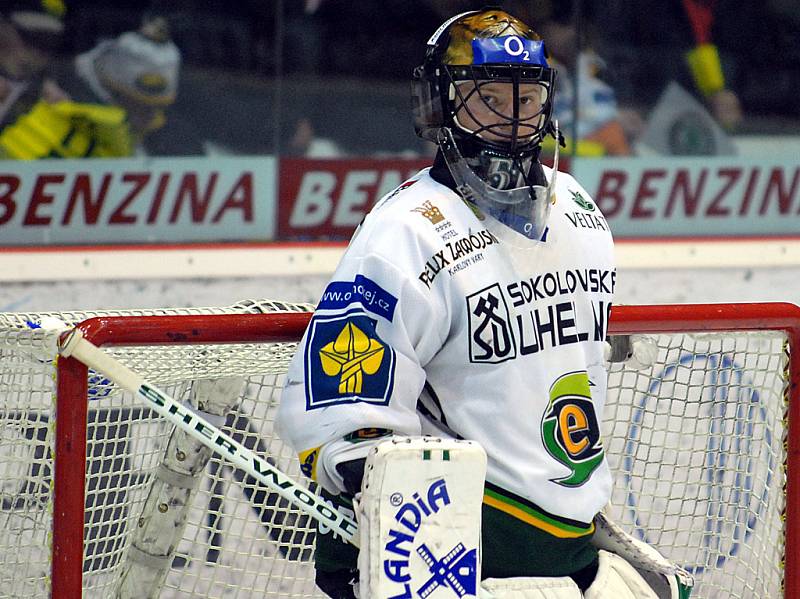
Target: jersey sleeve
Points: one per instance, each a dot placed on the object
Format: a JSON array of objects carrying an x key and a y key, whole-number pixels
[{"x": 360, "y": 362}]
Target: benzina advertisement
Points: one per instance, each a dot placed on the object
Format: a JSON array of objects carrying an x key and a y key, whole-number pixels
[
  {"x": 201, "y": 200},
  {"x": 640, "y": 197},
  {"x": 327, "y": 199},
  {"x": 162, "y": 200},
  {"x": 694, "y": 197}
]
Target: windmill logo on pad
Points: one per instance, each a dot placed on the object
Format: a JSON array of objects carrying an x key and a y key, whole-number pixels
[
  {"x": 456, "y": 571},
  {"x": 414, "y": 525}
]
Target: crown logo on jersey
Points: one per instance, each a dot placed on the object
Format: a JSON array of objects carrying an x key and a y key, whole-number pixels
[
  {"x": 351, "y": 355},
  {"x": 431, "y": 212}
]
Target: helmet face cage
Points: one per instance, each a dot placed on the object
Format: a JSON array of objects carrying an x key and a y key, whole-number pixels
[
  {"x": 474, "y": 60},
  {"x": 471, "y": 97}
]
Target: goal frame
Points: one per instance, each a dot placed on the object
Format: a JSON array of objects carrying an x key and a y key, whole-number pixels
[{"x": 72, "y": 388}]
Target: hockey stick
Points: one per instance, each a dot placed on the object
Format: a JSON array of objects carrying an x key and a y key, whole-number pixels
[{"x": 74, "y": 345}]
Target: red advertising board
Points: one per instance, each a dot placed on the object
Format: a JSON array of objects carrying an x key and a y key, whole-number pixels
[{"x": 326, "y": 199}]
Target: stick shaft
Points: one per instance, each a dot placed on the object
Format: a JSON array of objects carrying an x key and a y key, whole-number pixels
[{"x": 199, "y": 428}]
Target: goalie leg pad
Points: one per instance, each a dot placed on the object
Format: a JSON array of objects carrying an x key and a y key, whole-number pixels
[
  {"x": 532, "y": 587},
  {"x": 419, "y": 518}
]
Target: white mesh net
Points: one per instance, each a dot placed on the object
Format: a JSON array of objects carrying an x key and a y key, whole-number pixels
[{"x": 696, "y": 442}]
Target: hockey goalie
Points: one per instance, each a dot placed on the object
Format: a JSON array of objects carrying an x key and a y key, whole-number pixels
[{"x": 471, "y": 306}]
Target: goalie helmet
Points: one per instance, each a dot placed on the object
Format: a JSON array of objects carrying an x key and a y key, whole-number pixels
[{"x": 484, "y": 95}]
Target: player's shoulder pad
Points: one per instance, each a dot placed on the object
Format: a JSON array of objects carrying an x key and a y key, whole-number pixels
[
  {"x": 414, "y": 210},
  {"x": 569, "y": 192},
  {"x": 418, "y": 186}
]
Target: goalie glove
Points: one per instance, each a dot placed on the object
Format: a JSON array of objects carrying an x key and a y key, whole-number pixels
[
  {"x": 636, "y": 351},
  {"x": 666, "y": 579}
]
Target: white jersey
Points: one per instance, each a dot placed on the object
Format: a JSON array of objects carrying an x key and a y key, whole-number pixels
[{"x": 429, "y": 326}]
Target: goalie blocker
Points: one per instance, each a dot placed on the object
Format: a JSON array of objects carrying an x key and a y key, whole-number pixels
[{"x": 419, "y": 517}]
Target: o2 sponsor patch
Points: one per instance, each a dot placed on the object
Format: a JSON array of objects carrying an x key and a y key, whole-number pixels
[
  {"x": 362, "y": 290},
  {"x": 346, "y": 362}
]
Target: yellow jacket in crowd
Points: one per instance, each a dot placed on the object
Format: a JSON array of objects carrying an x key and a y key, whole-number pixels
[{"x": 67, "y": 130}]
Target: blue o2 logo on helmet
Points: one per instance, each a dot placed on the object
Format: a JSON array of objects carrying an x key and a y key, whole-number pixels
[{"x": 508, "y": 49}]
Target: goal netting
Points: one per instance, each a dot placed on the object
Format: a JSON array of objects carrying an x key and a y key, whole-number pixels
[{"x": 699, "y": 442}]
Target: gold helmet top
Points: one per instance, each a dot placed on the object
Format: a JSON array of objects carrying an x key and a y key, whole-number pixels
[{"x": 485, "y": 24}]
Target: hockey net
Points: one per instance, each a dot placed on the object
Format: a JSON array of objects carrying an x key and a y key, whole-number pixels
[{"x": 705, "y": 465}]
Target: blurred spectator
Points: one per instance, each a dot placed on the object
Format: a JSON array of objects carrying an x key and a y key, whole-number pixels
[
  {"x": 761, "y": 60},
  {"x": 653, "y": 43},
  {"x": 117, "y": 96},
  {"x": 305, "y": 142},
  {"x": 599, "y": 128},
  {"x": 706, "y": 68},
  {"x": 602, "y": 129},
  {"x": 29, "y": 32}
]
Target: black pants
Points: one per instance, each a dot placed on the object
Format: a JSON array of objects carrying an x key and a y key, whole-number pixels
[{"x": 338, "y": 584}]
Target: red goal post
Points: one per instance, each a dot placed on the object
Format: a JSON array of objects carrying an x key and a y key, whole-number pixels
[
  {"x": 72, "y": 406},
  {"x": 744, "y": 515}
]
